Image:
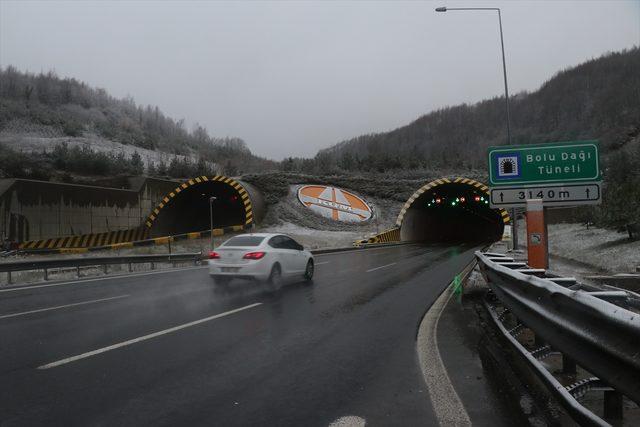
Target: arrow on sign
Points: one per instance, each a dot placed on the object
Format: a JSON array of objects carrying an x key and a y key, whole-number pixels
[
  {"x": 501, "y": 196},
  {"x": 587, "y": 190}
]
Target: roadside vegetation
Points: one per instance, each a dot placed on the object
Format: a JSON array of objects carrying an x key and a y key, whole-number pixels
[
  {"x": 49, "y": 106},
  {"x": 599, "y": 99}
]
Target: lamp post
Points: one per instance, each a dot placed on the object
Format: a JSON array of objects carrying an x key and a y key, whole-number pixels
[
  {"x": 211, "y": 200},
  {"x": 504, "y": 64},
  {"x": 514, "y": 231}
]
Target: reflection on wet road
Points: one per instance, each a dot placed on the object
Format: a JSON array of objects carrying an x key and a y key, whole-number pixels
[{"x": 169, "y": 349}]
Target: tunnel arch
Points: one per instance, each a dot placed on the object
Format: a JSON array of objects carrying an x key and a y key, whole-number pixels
[
  {"x": 186, "y": 208},
  {"x": 421, "y": 219}
]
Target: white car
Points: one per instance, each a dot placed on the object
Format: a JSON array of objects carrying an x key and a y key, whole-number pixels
[{"x": 262, "y": 256}]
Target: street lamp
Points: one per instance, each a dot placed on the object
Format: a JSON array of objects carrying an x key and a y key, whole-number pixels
[
  {"x": 504, "y": 65},
  {"x": 211, "y": 200},
  {"x": 514, "y": 229}
]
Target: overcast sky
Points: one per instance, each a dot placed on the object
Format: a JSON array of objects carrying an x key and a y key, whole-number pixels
[{"x": 293, "y": 77}]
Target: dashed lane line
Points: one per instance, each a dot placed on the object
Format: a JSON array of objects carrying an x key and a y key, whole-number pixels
[
  {"x": 144, "y": 337},
  {"x": 349, "y": 421},
  {"x": 58, "y": 307},
  {"x": 382, "y": 266}
]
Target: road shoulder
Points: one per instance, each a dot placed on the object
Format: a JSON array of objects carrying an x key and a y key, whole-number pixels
[{"x": 461, "y": 392}]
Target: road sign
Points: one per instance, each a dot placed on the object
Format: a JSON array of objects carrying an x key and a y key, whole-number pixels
[
  {"x": 551, "y": 195},
  {"x": 558, "y": 162}
]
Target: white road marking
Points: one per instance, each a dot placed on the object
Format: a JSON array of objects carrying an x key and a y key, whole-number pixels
[
  {"x": 321, "y": 263},
  {"x": 144, "y": 337},
  {"x": 96, "y": 279},
  {"x": 6, "y": 316},
  {"x": 446, "y": 403},
  {"x": 365, "y": 250},
  {"x": 349, "y": 421},
  {"x": 382, "y": 266}
]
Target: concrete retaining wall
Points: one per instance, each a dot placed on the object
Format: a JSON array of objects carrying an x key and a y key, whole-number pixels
[{"x": 34, "y": 210}]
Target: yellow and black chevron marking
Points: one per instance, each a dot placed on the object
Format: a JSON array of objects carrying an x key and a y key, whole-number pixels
[
  {"x": 88, "y": 240},
  {"x": 387, "y": 236},
  {"x": 139, "y": 239},
  {"x": 198, "y": 180},
  {"x": 480, "y": 186}
]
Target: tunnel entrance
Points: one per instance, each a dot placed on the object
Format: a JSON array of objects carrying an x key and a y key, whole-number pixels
[
  {"x": 446, "y": 211},
  {"x": 187, "y": 208}
]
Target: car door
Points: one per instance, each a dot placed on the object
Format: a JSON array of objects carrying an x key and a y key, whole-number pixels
[
  {"x": 282, "y": 254},
  {"x": 298, "y": 261}
]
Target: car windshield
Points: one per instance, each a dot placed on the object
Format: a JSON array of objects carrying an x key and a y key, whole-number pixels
[{"x": 244, "y": 241}]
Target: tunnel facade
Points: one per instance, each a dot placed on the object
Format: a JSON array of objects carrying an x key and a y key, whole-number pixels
[
  {"x": 451, "y": 210},
  {"x": 190, "y": 207}
]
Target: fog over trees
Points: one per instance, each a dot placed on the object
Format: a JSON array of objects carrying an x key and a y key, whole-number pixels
[
  {"x": 68, "y": 107},
  {"x": 599, "y": 99}
]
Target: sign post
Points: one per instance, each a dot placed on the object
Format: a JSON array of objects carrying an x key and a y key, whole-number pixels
[
  {"x": 539, "y": 175},
  {"x": 537, "y": 242}
]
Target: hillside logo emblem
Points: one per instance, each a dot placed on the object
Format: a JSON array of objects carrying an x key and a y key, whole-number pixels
[
  {"x": 508, "y": 166},
  {"x": 334, "y": 203}
]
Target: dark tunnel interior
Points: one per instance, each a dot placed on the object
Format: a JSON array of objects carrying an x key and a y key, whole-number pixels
[
  {"x": 452, "y": 212},
  {"x": 189, "y": 210}
]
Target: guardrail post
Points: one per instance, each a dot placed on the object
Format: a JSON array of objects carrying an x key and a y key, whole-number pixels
[
  {"x": 130, "y": 268},
  {"x": 46, "y": 274},
  {"x": 106, "y": 270},
  {"x": 613, "y": 405},
  {"x": 153, "y": 265},
  {"x": 78, "y": 271},
  {"x": 568, "y": 365},
  {"x": 538, "y": 340},
  {"x": 8, "y": 277}
]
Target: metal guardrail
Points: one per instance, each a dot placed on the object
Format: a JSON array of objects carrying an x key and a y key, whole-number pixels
[
  {"x": 77, "y": 262},
  {"x": 594, "y": 329}
]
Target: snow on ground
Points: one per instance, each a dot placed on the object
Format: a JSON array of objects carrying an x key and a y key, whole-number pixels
[
  {"x": 39, "y": 144},
  {"x": 603, "y": 249}
]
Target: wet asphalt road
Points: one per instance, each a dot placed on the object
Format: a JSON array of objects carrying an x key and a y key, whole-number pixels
[{"x": 307, "y": 355}]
